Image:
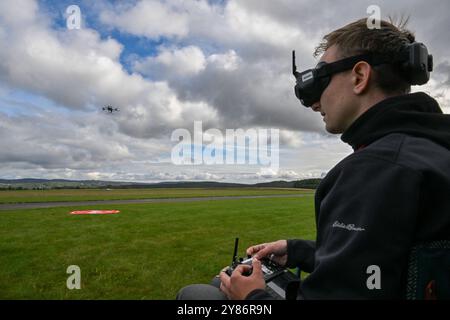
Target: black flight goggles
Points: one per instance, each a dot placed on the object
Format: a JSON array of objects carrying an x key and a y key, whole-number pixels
[{"x": 415, "y": 63}]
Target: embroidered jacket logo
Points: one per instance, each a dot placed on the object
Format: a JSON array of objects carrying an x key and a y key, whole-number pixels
[{"x": 350, "y": 227}]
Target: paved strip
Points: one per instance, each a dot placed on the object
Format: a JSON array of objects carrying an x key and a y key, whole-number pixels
[{"x": 37, "y": 205}]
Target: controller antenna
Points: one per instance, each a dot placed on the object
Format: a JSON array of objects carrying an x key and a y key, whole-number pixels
[
  {"x": 294, "y": 67},
  {"x": 236, "y": 244}
]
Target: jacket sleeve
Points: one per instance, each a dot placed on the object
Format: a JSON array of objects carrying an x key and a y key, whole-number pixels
[
  {"x": 366, "y": 220},
  {"x": 259, "y": 294},
  {"x": 301, "y": 254}
]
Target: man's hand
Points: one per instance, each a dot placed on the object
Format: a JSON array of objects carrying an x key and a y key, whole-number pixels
[
  {"x": 238, "y": 286},
  {"x": 276, "y": 251}
]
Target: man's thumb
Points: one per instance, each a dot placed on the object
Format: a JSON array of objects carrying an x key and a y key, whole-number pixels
[
  {"x": 261, "y": 254},
  {"x": 256, "y": 264}
]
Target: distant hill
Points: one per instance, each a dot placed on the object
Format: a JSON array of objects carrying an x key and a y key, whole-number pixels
[
  {"x": 307, "y": 183},
  {"x": 276, "y": 184},
  {"x": 36, "y": 184}
]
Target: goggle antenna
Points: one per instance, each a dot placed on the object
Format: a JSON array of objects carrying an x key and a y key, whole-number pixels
[{"x": 294, "y": 67}]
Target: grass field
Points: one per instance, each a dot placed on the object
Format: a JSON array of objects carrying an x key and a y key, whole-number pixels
[
  {"x": 148, "y": 251},
  {"x": 25, "y": 196}
]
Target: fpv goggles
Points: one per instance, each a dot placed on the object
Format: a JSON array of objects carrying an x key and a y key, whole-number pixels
[{"x": 414, "y": 61}]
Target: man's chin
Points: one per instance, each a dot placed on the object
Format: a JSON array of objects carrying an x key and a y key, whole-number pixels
[{"x": 333, "y": 130}]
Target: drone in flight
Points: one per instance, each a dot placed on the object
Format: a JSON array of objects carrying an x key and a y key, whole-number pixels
[{"x": 110, "y": 109}]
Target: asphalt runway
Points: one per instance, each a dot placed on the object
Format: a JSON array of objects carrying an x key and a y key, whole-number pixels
[{"x": 38, "y": 205}]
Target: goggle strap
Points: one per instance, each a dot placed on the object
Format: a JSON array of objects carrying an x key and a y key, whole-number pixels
[{"x": 348, "y": 63}]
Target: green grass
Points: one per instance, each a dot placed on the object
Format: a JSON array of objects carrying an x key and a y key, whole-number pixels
[
  {"x": 148, "y": 251},
  {"x": 24, "y": 196}
]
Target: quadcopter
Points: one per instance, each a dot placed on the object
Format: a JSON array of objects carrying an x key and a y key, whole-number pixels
[{"x": 110, "y": 109}]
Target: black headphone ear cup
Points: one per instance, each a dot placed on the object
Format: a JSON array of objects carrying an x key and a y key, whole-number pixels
[{"x": 418, "y": 65}]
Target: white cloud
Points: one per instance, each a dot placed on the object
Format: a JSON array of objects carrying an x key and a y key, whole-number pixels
[
  {"x": 228, "y": 65},
  {"x": 20, "y": 13},
  {"x": 54, "y": 141},
  {"x": 152, "y": 19},
  {"x": 260, "y": 26},
  {"x": 228, "y": 61},
  {"x": 170, "y": 63},
  {"x": 79, "y": 70}
]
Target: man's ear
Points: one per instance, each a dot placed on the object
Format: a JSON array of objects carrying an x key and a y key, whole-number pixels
[{"x": 361, "y": 74}]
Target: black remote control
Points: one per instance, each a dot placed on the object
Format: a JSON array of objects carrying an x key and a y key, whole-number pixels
[{"x": 283, "y": 283}]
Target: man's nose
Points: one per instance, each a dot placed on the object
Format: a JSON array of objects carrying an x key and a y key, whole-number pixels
[{"x": 316, "y": 106}]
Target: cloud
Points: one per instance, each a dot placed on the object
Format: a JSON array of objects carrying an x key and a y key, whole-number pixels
[
  {"x": 71, "y": 68},
  {"x": 81, "y": 71},
  {"x": 172, "y": 63},
  {"x": 22, "y": 13},
  {"x": 151, "y": 19},
  {"x": 58, "y": 142},
  {"x": 227, "y": 64},
  {"x": 443, "y": 70}
]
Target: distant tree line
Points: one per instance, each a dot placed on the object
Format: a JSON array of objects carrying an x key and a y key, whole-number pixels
[
  {"x": 307, "y": 183},
  {"x": 304, "y": 184}
]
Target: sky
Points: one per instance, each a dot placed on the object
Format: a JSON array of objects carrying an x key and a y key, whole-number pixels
[{"x": 167, "y": 65}]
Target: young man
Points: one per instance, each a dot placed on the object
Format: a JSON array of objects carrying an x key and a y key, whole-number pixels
[{"x": 392, "y": 193}]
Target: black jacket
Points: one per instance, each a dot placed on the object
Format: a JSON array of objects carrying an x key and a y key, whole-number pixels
[{"x": 390, "y": 194}]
